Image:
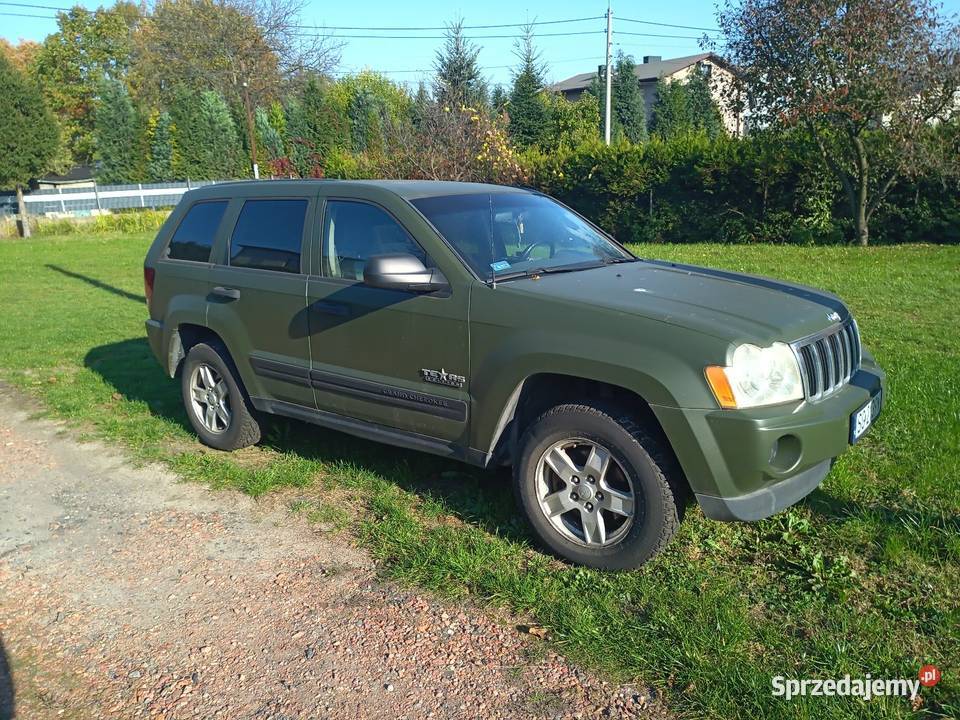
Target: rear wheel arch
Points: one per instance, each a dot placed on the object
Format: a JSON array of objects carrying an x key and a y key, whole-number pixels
[{"x": 184, "y": 337}]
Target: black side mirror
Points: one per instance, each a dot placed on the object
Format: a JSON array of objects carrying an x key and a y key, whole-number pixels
[{"x": 402, "y": 272}]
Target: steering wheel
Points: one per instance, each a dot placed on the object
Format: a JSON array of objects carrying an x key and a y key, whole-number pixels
[{"x": 526, "y": 252}]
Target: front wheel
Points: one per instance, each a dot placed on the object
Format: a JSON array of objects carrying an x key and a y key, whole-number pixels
[
  {"x": 215, "y": 403},
  {"x": 595, "y": 487}
]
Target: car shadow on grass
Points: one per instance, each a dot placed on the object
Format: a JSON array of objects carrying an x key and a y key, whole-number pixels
[
  {"x": 480, "y": 497},
  {"x": 132, "y": 370},
  {"x": 7, "y": 701}
]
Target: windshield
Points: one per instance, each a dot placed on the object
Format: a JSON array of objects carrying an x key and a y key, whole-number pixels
[{"x": 509, "y": 234}]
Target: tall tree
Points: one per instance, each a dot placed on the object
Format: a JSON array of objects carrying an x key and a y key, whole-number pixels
[
  {"x": 206, "y": 136},
  {"x": 527, "y": 111},
  {"x": 28, "y": 134},
  {"x": 116, "y": 136},
  {"x": 458, "y": 78},
  {"x": 269, "y": 139},
  {"x": 704, "y": 111},
  {"x": 627, "y": 108},
  {"x": 315, "y": 127},
  {"x": 685, "y": 106},
  {"x": 205, "y": 45},
  {"x": 570, "y": 124},
  {"x": 499, "y": 99},
  {"x": 161, "y": 157},
  {"x": 628, "y": 105},
  {"x": 864, "y": 79},
  {"x": 88, "y": 49}
]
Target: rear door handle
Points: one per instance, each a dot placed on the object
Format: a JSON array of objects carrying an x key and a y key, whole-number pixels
[
  {"x": 225, "y": 292},
  {"x": 331, "y": 308}
]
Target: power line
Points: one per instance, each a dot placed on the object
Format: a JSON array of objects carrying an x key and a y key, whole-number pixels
[
  {"x": 679, "y": 37},
  {"x": 28, "y": 15},
  {"x": 443, "y": 37},
  {"x": 650, "y": 22},
  {"x": 349, "y": 71},
  {"x": 31, "y": 5},
  {"x": 444, "y": 27}
]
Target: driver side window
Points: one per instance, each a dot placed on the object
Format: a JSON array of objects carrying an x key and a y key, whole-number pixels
[{"x": 355, "y": 231}]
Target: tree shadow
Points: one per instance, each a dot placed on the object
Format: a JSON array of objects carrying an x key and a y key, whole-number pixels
[
  {"x": 7, "y": 695},
  {"x": 98, "y": 283},
  {"x": 480, "y": 497}
]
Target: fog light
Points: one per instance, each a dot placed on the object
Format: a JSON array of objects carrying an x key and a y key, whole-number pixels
[{"x": 785, "y": 453}]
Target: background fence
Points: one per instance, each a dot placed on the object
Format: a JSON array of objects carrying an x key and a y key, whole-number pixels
[{"x": 80, "y": 201}]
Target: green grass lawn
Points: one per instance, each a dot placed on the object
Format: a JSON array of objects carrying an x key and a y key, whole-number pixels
[{"x": 862, "y": 577}]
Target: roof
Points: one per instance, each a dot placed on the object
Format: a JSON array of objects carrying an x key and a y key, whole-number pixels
[
  {"x": 407, "y": 189},
  {"x": 78, "y": 173},
  {"x": 645, "y": 72}
]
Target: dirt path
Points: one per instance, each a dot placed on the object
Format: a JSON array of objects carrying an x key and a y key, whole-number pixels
[{"x": 125, "y": 593}]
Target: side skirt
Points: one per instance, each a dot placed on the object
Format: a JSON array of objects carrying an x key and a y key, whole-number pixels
[{"x": 373, "y": 431}]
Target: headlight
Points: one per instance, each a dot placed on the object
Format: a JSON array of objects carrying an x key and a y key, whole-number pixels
[{"x": 757, "y": 376}]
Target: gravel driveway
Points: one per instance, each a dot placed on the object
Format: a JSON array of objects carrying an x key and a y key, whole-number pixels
[{"x": 126, "y": 593}]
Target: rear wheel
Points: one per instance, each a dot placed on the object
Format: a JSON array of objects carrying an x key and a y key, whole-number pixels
[
  {"x": 215, "y": 402},
  {"x": 595, "y": 487}
]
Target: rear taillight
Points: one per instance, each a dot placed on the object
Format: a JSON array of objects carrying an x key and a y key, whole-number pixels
[{"x": 149, "y": 274}]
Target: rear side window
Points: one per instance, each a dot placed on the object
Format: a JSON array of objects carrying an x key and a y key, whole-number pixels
[
  {"x": 195, "y": 234},
  {"x": 268, "y": 235}
]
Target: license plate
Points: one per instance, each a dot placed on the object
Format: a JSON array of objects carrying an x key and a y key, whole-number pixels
[{"x": 863, "y": 418}]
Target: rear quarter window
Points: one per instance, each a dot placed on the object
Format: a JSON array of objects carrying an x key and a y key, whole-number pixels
[
  {"x": 195, "y": 234},
  {"x": 268, "y": 235}
]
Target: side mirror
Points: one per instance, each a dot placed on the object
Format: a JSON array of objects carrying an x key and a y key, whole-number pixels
[{"x": 402, "y": 272}]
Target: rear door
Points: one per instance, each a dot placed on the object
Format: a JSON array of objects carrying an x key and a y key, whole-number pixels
[
  {"x": 183, "y": 266},
  {"x": 257, "y": 300},
  {"x": 394, "y": 358}
]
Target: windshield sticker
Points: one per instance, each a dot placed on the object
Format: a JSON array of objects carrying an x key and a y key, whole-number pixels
[{"x": 500, "y": 265}]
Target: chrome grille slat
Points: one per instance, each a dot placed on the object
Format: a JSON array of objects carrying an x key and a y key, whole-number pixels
[{"x": 829, "y": 359}]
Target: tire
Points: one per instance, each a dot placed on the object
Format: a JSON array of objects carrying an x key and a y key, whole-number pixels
[
  {"x": 236, "y": 427},
  {"x": 602, "y": 536}
]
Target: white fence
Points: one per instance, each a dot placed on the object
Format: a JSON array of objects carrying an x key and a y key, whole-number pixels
[{"x": 82, "y": 201}]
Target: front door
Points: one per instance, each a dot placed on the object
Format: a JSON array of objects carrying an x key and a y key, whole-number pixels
[
  {"x": 257, "y": 300},
  {"x": 393, "y": 358}
]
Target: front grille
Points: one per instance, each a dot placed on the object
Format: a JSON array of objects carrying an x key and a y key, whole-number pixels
[{"x": 828, "y": 359}]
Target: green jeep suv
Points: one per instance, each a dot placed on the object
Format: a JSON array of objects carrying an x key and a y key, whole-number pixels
[{"x": 496, "y": 326}]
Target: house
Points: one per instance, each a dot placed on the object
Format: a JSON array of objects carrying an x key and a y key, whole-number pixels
[
  {"x": 654, "y": 68},
  {"x": 79, "y": 176}
]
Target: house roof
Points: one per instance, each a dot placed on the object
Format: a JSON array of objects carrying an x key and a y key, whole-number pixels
[
  {"x": 645, "y": 72},
  {"x": 76, "y": 174}
]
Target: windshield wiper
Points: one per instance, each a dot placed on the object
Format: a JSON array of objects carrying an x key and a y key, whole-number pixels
[{"x": 517, "y": 274}]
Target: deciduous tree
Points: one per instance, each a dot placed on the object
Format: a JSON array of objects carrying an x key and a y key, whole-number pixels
[
  {"x": 88, "y": 49},
  {"x": 865, "y": 79},
  {"x": 28, "y": 134}
]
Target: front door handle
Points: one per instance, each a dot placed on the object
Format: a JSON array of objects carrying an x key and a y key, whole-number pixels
[
  {"x": 226, "y": 292},
  {"x": 331, "y": 308}
]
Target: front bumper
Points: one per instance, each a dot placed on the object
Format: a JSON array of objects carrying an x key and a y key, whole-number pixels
[{"x": 750, "y": 464}]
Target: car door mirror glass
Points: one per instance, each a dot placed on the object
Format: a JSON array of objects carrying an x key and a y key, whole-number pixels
[{"x": 402, "y": 272}]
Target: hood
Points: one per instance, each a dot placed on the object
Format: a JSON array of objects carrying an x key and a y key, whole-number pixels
[{"x": 732, "y": 306}]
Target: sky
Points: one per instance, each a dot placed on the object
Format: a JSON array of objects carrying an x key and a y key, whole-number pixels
[{"x": 567, "y": 48}]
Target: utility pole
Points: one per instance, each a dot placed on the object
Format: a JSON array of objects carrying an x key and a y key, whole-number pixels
[
  {"x": 609, "y": 78},
  {"x": 251, "y": 131}
]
